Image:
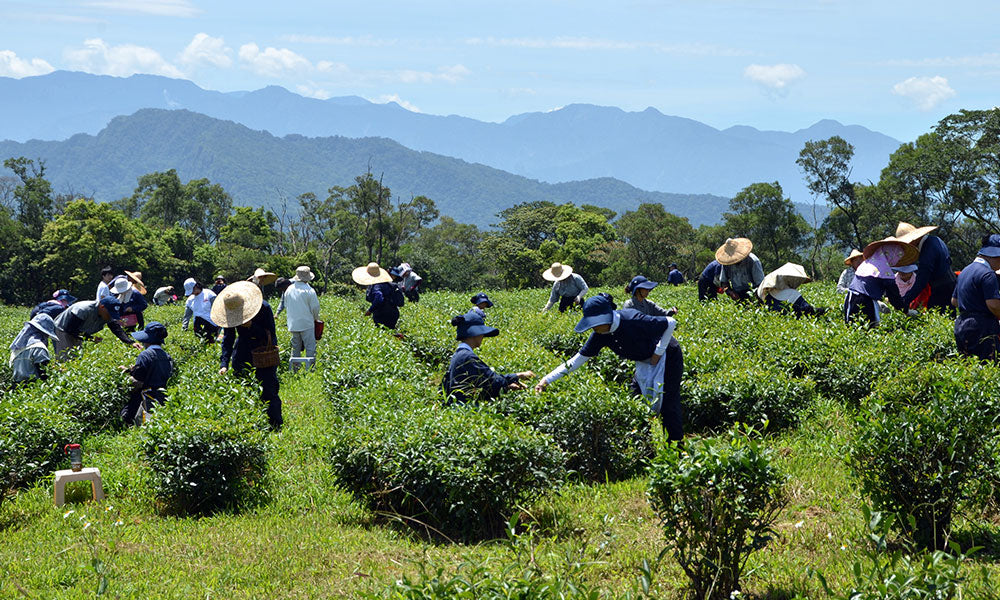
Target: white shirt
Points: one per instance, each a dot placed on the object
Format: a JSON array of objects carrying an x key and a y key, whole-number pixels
[
  {"x": 201, "y": 305},
  {"x": 102, "y": 290},
  {"x": 301, "y": 306}
]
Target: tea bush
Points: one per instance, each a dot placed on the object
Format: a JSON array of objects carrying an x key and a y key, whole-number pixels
[
  {"x": 927, "y": 444},
  {"x": 717, "y": 500},
  {"x": 32, "y": 435}
]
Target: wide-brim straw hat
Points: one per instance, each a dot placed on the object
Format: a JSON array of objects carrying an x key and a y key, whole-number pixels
[
  {"x": 262, "y": 277},
  {"x": 855, "y": 253},
  {"x": 910, "y": 252},
  {"x": 370, "y": 275},
  {"x": 136, "y": 279},
  {"x": 303, "y": 274},
  {"x": 789, "y": 274},
  {"x": 237, "y": 304},
  {"x": 909, "y": 233},
  {"x": 733, "y": 251},
  {"x": 557, "y": 272}
]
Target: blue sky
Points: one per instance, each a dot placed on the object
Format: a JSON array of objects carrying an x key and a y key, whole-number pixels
[{"x": 893, "y": 66}]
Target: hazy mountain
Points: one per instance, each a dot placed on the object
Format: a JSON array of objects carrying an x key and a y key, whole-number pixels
[
  {"x": 647, "y": 149},
  {"x": 259, "y": 169}
]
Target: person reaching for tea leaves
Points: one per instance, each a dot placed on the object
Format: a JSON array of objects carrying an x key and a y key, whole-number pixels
[
  {"x": 29, "y": 352},
  {"x": 934, "y": 267},
  {"x": 468, "y": 377},
  {"x": 634, "y": 336},
  {"x": 152, "y": 368},
  {"x": 780, "y": 291},
  {"x": 568, "y": 288},
  {"x": 85, "y": 318},
  {"x": 741, "y": 269},
  {"x": 977, "y": 297},
  {"x": 383, "y": 296},
  {"x": 875, "y": 278}
]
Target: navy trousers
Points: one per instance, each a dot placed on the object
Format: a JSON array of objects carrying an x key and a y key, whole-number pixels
[{"x": 977, "y": 335}]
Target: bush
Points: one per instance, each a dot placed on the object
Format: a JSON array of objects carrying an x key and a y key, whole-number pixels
[
  {"x": 32, "y": 435},
  {"x": 454, "y": 470},
  {"x": 927, "y": 443},
  {"x": 717, "y": 501}
]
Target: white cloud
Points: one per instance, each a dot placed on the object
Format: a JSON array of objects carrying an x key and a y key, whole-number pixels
[
  {"x": 12, "y": 66},
  {"x": 926, "y": 92},
  {"x": 163, "y": 8},
  {"x": 989, "y": 59},
  {"x": 96, "y": 56},
  {"x": 273, "y": 62},
  {"x": 452, "y": 74},
  {"x": 386, "y": 98},
  {"x": 775, "y": 78},
  {"x": 311, "y": 90},
  {"x": 363, "y": 41},
  {"x": 207, "y": 50},
  {"x": 583, "y": 43}
]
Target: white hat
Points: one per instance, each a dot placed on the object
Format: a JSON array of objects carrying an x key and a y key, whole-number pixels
[
  {"x": 189, "y": 284},
  {"x": 557, "y": 272},
  {"x": 303, "y": 274},
  {"x": 262, "y": 277},
  {"x": 120, "y": 285}
]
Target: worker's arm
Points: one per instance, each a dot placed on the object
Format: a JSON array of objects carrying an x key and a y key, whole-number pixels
[
  {"x": 994, "y": 306},
  {"x": 564, "y": 369}
]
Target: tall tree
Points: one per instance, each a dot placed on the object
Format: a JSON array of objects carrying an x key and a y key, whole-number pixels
[
  {"x": 653, "y": 238},
  {"x": 33, "y": 197},
  {"x": 762, "y": 213}
]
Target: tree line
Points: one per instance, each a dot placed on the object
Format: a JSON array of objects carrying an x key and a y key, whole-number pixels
[{"x": 171, "y": 230}]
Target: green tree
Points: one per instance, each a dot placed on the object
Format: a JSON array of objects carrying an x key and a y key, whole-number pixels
[
  {"x": 33, "y": 197},
  {"x": 762, "y": 213},
  {"x": 652, "y": 238},
  {"x": 160, "y": 199},
  {"x": 448, "y": 253}
]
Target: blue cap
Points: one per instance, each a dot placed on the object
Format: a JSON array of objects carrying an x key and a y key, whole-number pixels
[
  {"x": 63, "y": 296},
  {"x": 991, "y": 247},
  {"x": 154, "y": 333},
  {"x": 395, "y": 272},
  {"x": 640, "y": 283},
  {"x": 480, "y": 298},
  {"x": 471, "y": 324},
  {"x": 114, "y": 307},
  {"x": 597, "y": 310}
]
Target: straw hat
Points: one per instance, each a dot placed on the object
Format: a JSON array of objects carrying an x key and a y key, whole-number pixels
[
  {"x": 237, "y": 304},
  {"x": 303, "y": 274},
  {"x": 262, "y": 277},
  {"x": 855, "y": 253},
  {"x": 910, "y": 234},
  {"x": 557, "y": 272},
  {"x": 789, "y": 275},
  {"x": 910, "y": 252},
  {"x": 733, "y": 251},
  {"x": 370, "y": 275},
  {"x": 136, "y": 279}
]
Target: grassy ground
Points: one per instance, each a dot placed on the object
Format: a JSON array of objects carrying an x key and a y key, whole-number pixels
[{"x": 311, "y": 540}]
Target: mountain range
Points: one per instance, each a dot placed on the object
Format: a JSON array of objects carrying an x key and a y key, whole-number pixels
[{"x": 645, "y": 149}]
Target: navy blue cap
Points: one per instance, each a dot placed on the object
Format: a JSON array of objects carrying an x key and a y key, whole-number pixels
[
  {"x": 991, "y": 247},
  {"x": 640, "y": 283},
  {"x": 597, "y": 310},
  {"x": 114, "y": 306},
  {"x": 480, "y": 298},
  {"x": 471, "y": 324},
  {"x": 63, "y": 296},
  {"x": 154, "y": 333}
]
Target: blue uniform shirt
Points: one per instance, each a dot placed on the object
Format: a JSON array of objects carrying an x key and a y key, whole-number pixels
[
  {"x": 635, "y": 339},
  {"x": 977, "y": 283},
  {"x": 153, "y": 368},
  {"x": 934, "y": 267},
  {"x": 53, "y": 308},
  {"x": 469, "y": 378},
  {"x": 712, "y": 272},
  {"x": 238, "y": 342},
  {"x": 675, "y": 277}
]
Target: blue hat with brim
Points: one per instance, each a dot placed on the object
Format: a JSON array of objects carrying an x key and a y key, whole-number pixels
[
  {"x": 471, "y": 324},
  {"x": 640, "y": 283},
  {"x": 154, "y": 333},
  {"x": 598, "y": 310},
  {"x": 114, "y": 307},
  {"x": 63, "y": 296},
  {"x": 992, "y": 247},
  {"x": 480, "y": 298}
]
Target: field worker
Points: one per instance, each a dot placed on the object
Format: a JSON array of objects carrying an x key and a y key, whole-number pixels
[
  {"x": 779, "y": 291},
  {"x": 280, "y": 285},
  {"x": 250, "y": 341},
  {"x": 61, "y": 299},
  {"x": 302, "y": 304},
  {"x": 875, "y": 278},
  {"x": 85, "y": 318},
  {"x": 977, "y": 298},
  {"x": 933, "y": 266},
  {"x": 480, "y": 302},
  {"x": 163, "y": 295},
  {"x": 633, "y": 336},
  {"x": 29, "y": 352},
  {"x": 262, "y": 278},
  {"x": 568, "y": 288},
  {"x": 905, "y": 280},
  {"x": 133, "y": 298},
  {"x": 709, "y": 281},
  {"x": 741, "y": 269},
  {"x": 152, "y": 368},
  {"x": 851, "y": 264},
  {"x": 198, "y": 306},
  {"x": 189, "y": 284},
  {"x": 675, "y": 277},
  {"x": 468, "y": 377},
  {"x": 410, "y": 283},
  {"x": 638, "y": 290},
  {"x": 103, "y": 288},
  {"x": 220, "y": 284},
  {"x": 383, "y": 297}
]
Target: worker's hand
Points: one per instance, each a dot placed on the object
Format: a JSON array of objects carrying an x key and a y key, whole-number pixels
[
  {"x": 579, "y": 299},
  {"x": 122, "y": 368},
  {"x": 912, "y": 313},
  {"x": 732, "y": 294},
  {"x": 517, "y": 385},
  {"x": 526, "y": 375},
  {"x": 655, "y": 359},
  {"x": 540, "y": 386},
  {"x": 137, "y": 345},
  {"x": 96, "y": 339},
  {"x": 672, "y": 311},
  {"x": 223, "y": 370}
]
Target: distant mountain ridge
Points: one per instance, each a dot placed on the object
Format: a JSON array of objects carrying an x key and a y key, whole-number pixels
[
  {"x": 646, "y": 149},
  {"x": 259, "y": 169}
]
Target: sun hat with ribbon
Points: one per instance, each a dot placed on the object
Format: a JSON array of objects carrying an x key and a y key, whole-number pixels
[
  {"x": 855, "y": 253},
  {"x": 910, "y": 233},
  {"x": 135, "y": 277},
  {"x": 303, "y": 274},
  {"x": 733, "y": 251},
  {"x": 370, "y": 275},
  {"x": 154, "y": 333},
  {"x": 640, "y": 283},
  {"x": 262, "y": 277},
  {"x": 787, "y": 276},
  {"x": 471, "y": 324},
  {"x": 237, "y": 304},
  {"x": 597, "y": 310},
  {"x": 557, "y": 272},
  {"x": 480, "y": 298}
]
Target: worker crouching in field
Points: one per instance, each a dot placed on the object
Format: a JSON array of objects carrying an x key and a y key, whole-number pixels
[
  {"x": 977, "y": 297},
  {"x": 709, "y": 281},
  {"x": 250, "y": 340},
  {"x": 480, "y": 302},
  {"x": 638, "y": 337},
  {"x": 741, "y": 269},
  {"x": 29, "y": 352},
  {"x": 568, "y": 288},
  {"x": 383, "y": 296},
  {"x": 851, "y": 264},
  {"x": 934, "y": 267},
  {"x": 85, "y": 318},
  {"x": 906, "y": 280},
  {"x": 152, "y": 368},
  {"x": 779, "y": 291},
  {"x": 468, "y": 377},
  {"x": 875, "y": 278}
]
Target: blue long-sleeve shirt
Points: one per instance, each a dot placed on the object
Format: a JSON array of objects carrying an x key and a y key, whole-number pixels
[
  {"x": 933, "y": 267},
  {"x": 711, "y": 273},
  {"x": 469, "y": 378},
  {"x": 238, "y": 342}
]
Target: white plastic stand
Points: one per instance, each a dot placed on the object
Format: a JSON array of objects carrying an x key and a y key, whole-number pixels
[{"x": 91, "y": 474}]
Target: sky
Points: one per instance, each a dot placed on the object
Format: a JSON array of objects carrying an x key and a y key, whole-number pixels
[{"x": 893, "y": 66}]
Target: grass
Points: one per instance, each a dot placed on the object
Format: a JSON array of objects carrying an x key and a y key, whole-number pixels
[{"x": 310, "y": 540}]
